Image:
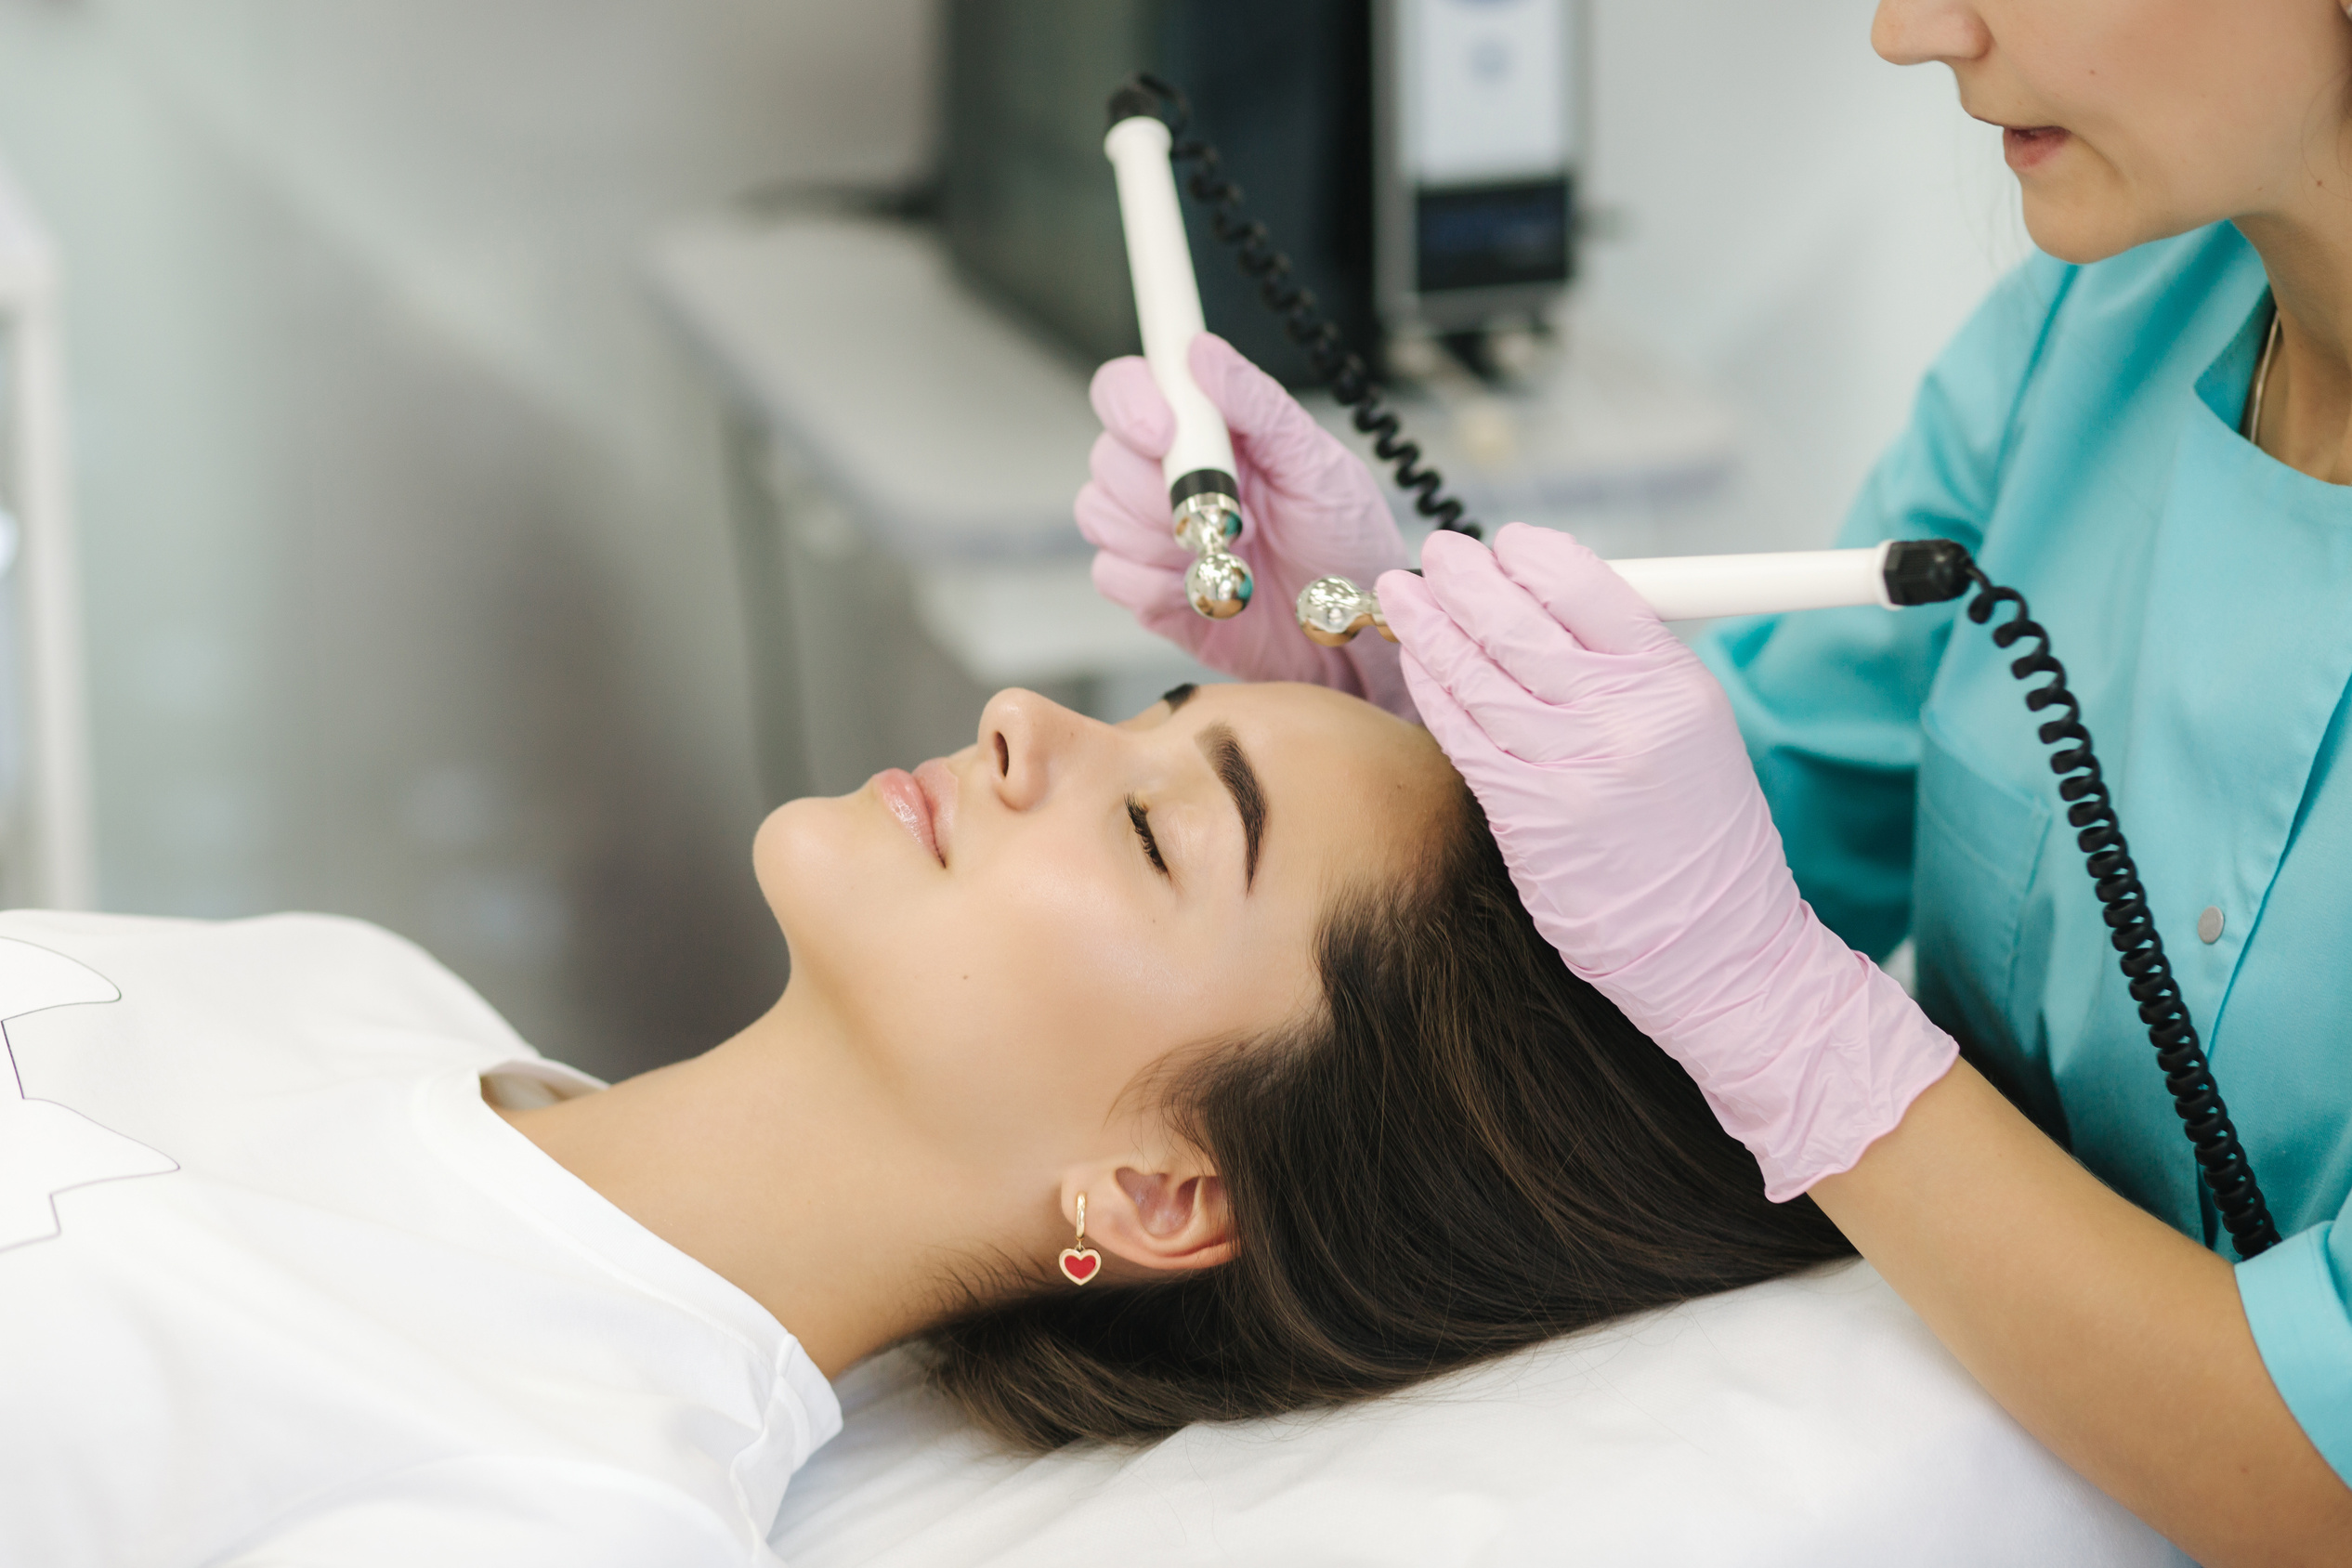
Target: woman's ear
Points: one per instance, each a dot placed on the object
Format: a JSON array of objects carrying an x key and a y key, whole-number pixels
[{"x": 1163, "y": 1220}]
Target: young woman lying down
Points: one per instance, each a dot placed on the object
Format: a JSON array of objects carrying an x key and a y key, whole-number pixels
[{"x": 305, "y": 1259}]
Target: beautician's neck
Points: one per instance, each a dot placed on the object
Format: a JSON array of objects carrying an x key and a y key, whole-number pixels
[
  {"x": 769, "y": 1162},
  {"x": 2305, "y": 246}
]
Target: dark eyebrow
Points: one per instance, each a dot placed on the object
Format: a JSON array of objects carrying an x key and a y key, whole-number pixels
[
  {"x": 1176, "y": 697},
  {"x": 1223, "y": 749}
]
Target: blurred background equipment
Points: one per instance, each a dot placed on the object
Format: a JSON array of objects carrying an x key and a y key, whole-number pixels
[
  {"x": 430, "y": 576},
  {"x": 1479, "y": 113},
  {"x": 1417, "y": 159},
  {"x": 1026, "y": 204}
]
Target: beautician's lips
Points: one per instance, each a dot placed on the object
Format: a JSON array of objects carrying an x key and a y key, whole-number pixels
[
  {"x": 908, "y": 800},
  {"x": 2022, "y": 147}
]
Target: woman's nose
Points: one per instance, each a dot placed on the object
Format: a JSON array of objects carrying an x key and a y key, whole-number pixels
[
  {"x": 1922, "y": 31},
  {"x": 1027, "y": 740}
]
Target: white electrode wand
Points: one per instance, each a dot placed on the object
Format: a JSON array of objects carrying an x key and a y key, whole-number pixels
[
  {"x": 1899, "y": 572},
  {"x": 1203, "y": 499}
]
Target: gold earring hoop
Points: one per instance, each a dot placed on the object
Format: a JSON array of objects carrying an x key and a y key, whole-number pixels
[{"x": 1079, "y": 1261}]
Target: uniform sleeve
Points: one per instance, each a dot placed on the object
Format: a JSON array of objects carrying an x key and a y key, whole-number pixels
[
  {"x": 2299, "y": 1301},
  {"x": 1829, "y": 701}
]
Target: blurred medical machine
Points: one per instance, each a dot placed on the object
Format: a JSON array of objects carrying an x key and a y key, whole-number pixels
[
  {"x": 1420, "y": 159},
  {"x": 904, "y": 370},
  {"x": 46, "y": 854}
]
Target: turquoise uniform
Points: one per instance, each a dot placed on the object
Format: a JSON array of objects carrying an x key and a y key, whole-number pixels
[{"x": 2081, "y": 436}]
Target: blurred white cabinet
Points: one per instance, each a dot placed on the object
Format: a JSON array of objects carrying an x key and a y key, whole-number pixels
[{"x": 46, "y": 856}]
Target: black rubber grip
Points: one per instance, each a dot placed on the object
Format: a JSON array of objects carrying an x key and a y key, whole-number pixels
[
  {"x": 1203, "y": 481},
  {"x": 1926, "y": 571},
  {"x": 1131, "y": 102}
]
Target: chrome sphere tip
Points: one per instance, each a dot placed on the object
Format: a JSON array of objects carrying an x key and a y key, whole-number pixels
[
  {"x": 1332, "y": 610},
  {"x": 1218, "y": 585}
]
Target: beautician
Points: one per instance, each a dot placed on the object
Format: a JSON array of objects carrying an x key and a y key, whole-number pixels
[{"x": 2147, "y": 431}]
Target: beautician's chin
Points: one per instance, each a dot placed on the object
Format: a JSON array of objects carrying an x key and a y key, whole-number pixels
[{"x": 2080, "y": 209}]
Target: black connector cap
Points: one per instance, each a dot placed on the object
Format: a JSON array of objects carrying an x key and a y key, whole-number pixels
[
  {"x": 1927, "y": 571},
  {"x": 1130, "y": 101}
]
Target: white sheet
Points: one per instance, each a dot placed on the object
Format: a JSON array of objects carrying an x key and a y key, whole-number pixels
[{"x": 1809, "y": 1421}]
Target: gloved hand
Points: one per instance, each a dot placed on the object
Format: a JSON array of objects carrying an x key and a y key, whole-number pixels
[
  {"x": 1614, "y": 775},
  {"x": 1308, "y": 507}
]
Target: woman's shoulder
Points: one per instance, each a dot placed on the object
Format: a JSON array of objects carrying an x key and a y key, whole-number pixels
[
  {"x": 317, "y": 966},
  {"x": 284, "y": 941}
]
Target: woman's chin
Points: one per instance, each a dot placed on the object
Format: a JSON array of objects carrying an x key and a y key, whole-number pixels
[
  {"x": 805, "y": 851},
  {"x": 774, "y": 844},
  {"x": 844, "y": 879}
]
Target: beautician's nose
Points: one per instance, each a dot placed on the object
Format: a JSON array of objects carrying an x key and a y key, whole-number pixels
[
  {"x": 1922, "y": 31},
  {"x": 1027, "y": 740}
]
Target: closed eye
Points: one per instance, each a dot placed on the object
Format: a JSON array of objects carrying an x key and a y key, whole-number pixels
[{"x": 1143, "y": 821}]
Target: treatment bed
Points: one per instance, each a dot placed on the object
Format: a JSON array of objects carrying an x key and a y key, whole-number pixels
[{"x": 1809, "y": 1421}]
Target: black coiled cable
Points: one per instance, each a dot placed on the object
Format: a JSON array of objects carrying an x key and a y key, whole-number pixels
[
  {"x": 1303, "y": 320},
  {"x": 2139, "y": 948}
]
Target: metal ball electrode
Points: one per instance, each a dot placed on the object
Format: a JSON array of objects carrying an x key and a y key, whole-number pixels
[
  {"x": 1218, "y": 584},
  {"x": 1332, "y": 610}
]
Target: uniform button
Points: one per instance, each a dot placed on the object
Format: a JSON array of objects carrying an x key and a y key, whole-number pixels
[{"x": 2209, "y": 924}]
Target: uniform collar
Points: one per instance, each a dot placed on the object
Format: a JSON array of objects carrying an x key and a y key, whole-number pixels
[
  {"x": 2245, "y": 653},
  {"x": 2229, "y": 380}
]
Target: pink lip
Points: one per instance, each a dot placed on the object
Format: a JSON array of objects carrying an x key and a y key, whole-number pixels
[
  {"x": 2027, "y": 146},
  {"x": 907, "y": 801},
  {"x": 939, "y": 786}
]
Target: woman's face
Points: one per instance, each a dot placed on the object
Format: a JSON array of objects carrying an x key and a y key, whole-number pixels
[
  {"x": 1011, "y": 935},
  {"x": 2131, "y": 120}
]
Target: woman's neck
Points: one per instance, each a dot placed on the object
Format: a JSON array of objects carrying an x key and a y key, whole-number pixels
[
  {"x": 2306, "y": 244},
  {"x": 771, "y": 1161}
]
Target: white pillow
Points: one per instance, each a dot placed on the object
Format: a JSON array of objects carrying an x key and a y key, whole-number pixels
[{"x": 1810, "y": 1421}]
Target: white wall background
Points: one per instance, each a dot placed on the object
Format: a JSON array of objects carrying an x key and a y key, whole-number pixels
[
  {"x": 1807, "y": 226},
  {"x": 409, "y": 586},
  {"x": 409, "y": 582}
]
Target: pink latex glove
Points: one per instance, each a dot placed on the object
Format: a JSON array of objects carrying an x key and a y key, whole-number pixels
[
  {"x": 1614, "y": 775},
  {"x": 1308, "y": 507}
]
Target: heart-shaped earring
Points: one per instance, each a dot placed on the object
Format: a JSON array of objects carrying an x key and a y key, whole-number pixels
[{"x": 1079, "y": 1261}]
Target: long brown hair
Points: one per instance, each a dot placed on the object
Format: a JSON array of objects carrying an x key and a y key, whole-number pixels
[{"x": 1470, "y": 1152}]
